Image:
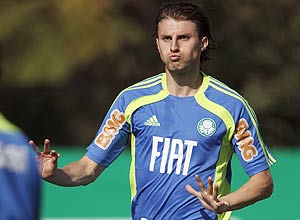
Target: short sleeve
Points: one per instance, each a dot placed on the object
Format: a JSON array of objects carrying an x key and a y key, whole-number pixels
[
  {"x": 112, "y": 136},
  {"x": 248, "y": 144}
]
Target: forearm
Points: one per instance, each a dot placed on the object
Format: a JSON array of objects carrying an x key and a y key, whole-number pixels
[
  {"x": 259, "y": 186},
  {"x": 61, "y": 178},
  {"x": 69, "y": 175},
  {"x": 81, "y": 172}
]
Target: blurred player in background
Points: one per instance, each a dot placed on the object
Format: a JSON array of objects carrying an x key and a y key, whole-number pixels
[
  {"x": 183, "y": 124},
  {"x": 19, "y": 176}
]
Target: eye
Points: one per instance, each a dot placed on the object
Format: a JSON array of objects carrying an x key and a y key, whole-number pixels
[
  {"x": 183, "y": 37},
  {"x": 166, "y": 38}
]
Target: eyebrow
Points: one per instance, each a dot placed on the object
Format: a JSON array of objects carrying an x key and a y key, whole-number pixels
[{"x": 178, "y": 35}]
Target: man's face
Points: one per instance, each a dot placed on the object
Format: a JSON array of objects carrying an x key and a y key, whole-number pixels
[{"x": 179, "y": 45}]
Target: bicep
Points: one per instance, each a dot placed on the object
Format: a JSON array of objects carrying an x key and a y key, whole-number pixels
[{"x": 263, "y": 181}]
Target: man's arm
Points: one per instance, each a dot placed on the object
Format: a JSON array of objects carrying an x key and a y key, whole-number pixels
[
  {"x": 81, "y": 172},
  {"x": 258, "y": 187}
]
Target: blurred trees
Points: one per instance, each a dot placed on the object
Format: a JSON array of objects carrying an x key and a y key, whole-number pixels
[
  {"x": 65, "y": 61},
  {"x": 45, "y": 41},
  {"x": 259, "y": 55}
]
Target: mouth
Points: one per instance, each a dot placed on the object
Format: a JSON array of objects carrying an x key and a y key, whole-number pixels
[{"x": 174, "y": 57}]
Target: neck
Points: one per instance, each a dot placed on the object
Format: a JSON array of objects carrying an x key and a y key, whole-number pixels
[{"x": 183, "y": 84}]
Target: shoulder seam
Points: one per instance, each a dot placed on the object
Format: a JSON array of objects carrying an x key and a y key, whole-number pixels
[
  {"x": 227, "y": 90},
  {"x": 231, "y": 92}
]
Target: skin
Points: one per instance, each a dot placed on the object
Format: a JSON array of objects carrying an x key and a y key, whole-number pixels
[
  {"x": 258, "y": 187},
  {"x": 81, "y": 172},
  {"x": 180, "y": 49}
]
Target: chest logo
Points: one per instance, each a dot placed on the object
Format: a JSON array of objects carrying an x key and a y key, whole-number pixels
[
  {"x": 152, "y": 121},
  {"x": 206, "y": 127}
]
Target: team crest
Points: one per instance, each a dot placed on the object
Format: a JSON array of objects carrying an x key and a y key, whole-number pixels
[{"x": 206, "y": 127}]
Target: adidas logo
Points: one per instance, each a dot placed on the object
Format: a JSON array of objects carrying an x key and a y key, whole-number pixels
[{"x": 152, "y": 121}]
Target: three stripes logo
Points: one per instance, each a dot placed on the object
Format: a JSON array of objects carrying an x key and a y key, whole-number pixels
[{"x": 152, "y": 121}]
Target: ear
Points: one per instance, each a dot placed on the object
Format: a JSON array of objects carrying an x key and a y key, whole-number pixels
[
  {"x": 157, "y": 45},
  {"x": 204, "y": 43}
]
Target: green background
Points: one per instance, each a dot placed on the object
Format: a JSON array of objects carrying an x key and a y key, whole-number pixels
[{"x": 109, "y": 195}]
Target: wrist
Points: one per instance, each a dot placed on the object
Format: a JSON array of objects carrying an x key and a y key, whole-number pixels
[{"x": 225, "y": 205}]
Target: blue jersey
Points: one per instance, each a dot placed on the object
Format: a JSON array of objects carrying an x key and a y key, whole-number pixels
[
  {"x": 19, "y": 177},
  {"x": 175, "y": 138}
]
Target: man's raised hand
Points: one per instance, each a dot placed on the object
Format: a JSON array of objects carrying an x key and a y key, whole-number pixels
[
  {"x": 209, "y": 197},
  {"x": 47, "y": 159}
]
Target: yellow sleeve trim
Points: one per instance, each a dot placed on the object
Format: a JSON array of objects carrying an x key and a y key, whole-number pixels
[
  {"x": 226, "y": 150},
  {"x": 270, "y": 159}
]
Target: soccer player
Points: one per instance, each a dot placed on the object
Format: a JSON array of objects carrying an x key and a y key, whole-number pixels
[
  {"x": 184, "y": 127},
  {"x": 19, "y": 177}
]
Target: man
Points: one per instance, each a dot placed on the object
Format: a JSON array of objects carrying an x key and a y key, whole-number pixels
[
  {"x": 182, "y": 124},
  {"x": 19, "y": 176}
]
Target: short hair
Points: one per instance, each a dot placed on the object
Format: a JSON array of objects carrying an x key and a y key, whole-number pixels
[{"x": 187, "y": 12}]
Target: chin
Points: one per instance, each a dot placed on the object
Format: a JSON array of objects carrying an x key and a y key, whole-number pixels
[{"x": 176, "y": 69}]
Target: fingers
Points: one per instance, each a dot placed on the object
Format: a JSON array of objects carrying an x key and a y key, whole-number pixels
[
  {"x": 34, "y": 147},
  {"x": 208, "y": 196},
  {"x": 191, "y": 190},
  {"x": 46, "y": 146},
  {"x": 54, "y": 154},
  {"x": 210, "y": 186},
  {"x": 216, "y": 192},
  {"x": 200, "y": 184},
  {"x": 212, "y": 190}
]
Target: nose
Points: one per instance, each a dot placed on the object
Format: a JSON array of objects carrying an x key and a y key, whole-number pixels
[{"x": 174, "y": 47}]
